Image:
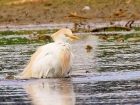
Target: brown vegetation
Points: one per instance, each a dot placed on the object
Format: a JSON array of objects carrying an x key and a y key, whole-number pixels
[
  {"x": 120, "y": 40},
  {"x": 88, "y": 48},
  {"x": 120, "y": 13},
  {"x": 78, "y": 16}
]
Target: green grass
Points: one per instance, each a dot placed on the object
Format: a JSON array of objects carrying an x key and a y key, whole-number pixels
[
  {"x": 11, "y": 41},
  {"x": 22, "y": 40},
  {"x": 28, "y": 32}
]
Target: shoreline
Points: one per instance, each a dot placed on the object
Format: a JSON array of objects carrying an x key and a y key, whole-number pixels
[{"x": 62, "y": 25}]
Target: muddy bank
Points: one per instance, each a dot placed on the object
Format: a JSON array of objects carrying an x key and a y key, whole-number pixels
[{"x": 61, "y": 11}]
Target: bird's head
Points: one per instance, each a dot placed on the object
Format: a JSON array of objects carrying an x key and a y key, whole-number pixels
[{"x": 63, "y": 35}]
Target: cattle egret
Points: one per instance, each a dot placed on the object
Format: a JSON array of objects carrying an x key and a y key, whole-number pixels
[{"x": 52, "y": 60}]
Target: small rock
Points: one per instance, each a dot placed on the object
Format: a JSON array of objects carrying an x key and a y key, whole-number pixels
[
  {"x": 86, "y": 8},
  {"x": 10, "y": 77}
]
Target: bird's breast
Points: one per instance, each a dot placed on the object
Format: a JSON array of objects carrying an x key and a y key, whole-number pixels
[{"x": 64, "y": 46}]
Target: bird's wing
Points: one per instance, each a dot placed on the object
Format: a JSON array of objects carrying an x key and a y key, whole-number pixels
[
  {"x": 65, "y": 60},
  {"x": 28, "y": 70},
  {"x": 51, "y": 59},
  {"x": 39, "y": 54},
  {"x": 45, "y": 59}
]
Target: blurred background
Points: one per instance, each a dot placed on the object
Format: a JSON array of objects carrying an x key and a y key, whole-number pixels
[{"x": 57, "y": 11}]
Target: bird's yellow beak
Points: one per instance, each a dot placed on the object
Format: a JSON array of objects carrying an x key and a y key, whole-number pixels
[{"x": 73, "y": 37}]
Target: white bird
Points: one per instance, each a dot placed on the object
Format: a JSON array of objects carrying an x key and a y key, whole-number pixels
[
  {"x": 53, "y": 59},
  {"x": 86, "y": 8}
]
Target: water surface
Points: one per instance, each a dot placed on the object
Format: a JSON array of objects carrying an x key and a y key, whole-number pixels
[{"x": 107, "y": 74}]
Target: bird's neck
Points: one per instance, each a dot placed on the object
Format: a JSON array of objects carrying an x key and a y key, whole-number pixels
[{"x": 60, "y": 41}]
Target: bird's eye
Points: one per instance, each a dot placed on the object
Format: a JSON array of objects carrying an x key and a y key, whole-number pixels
[{"x": 66, "y": 35}]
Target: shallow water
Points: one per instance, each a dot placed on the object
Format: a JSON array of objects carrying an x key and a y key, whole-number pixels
[{"x": 107, "y": 74}]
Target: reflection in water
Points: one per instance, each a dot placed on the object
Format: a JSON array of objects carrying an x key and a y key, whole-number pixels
[{"x": 51, "y": 92}]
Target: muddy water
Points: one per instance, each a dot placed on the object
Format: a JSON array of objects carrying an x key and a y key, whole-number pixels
[{"x": 107, "y": 74}]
